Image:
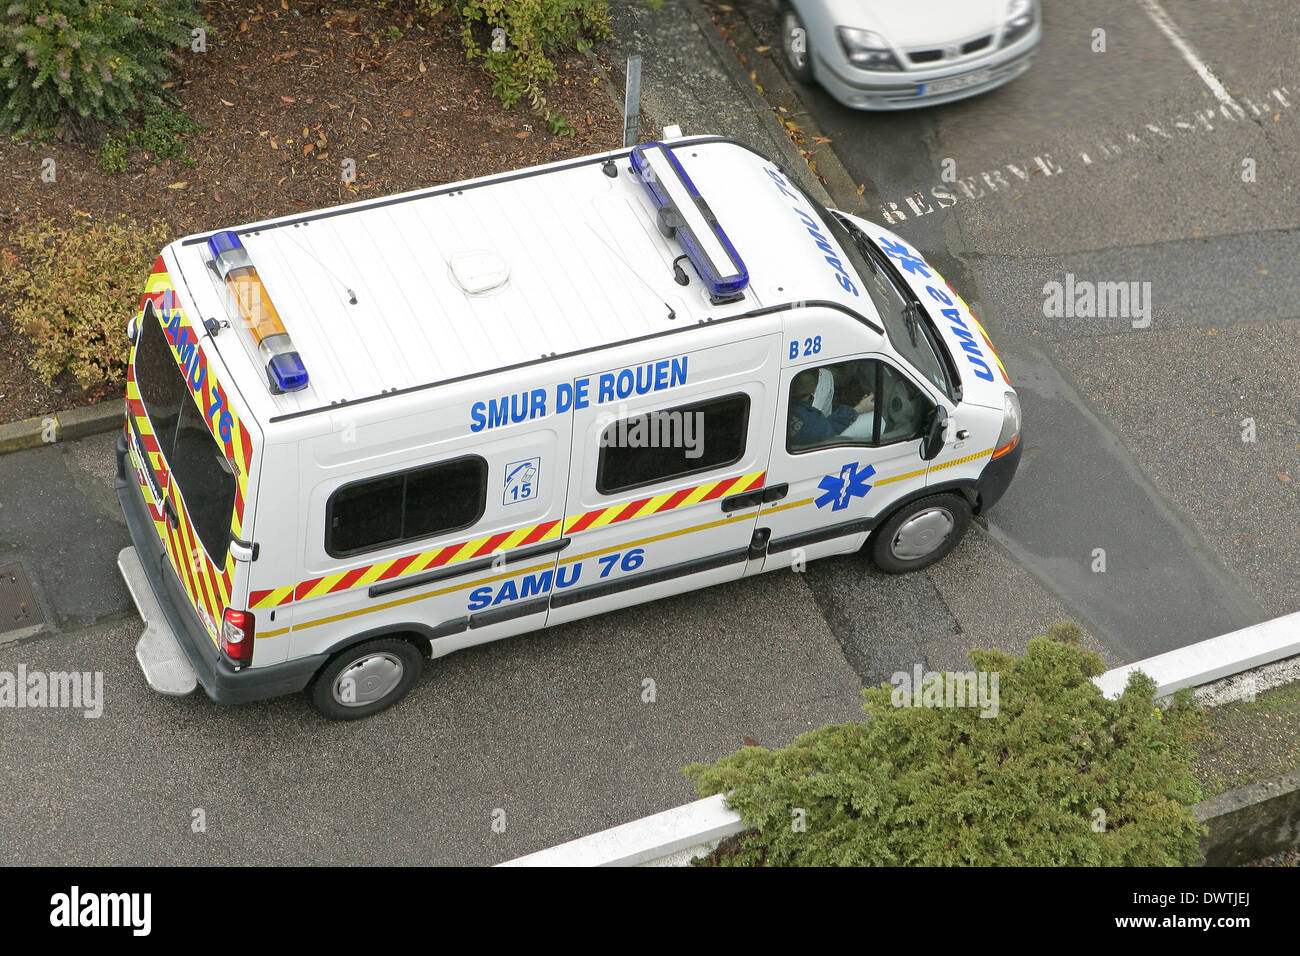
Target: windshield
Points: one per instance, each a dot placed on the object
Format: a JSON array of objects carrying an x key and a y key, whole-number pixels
[
  {"x": 199, "y": 469},
  {"x": 905, "y": 321}
]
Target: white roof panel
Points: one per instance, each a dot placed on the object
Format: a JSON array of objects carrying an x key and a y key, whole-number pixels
[{"x": 587, "y": 268}]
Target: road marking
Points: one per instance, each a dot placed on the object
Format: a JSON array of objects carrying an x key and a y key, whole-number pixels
[{"x": 1181, "y": 43}]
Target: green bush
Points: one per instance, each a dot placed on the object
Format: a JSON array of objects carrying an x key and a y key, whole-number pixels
[
  {"x": 943, "y": 786},
  {"x": 83, "y": 60},
  {"x": 534, "y": 30},
  {"x": 162, "y": 131},
  {"x": 74, "y": 289}
]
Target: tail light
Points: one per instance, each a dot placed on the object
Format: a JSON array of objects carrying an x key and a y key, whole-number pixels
[{"x": 237, "y": 629}]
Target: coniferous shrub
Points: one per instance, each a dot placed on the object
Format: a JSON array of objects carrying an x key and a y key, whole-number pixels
[
  {"x": 1060, "y": 777},
  {"x": 85, "y": 60}
]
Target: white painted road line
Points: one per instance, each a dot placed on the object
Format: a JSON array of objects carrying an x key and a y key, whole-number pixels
[{"x": 1180, "y": 42}]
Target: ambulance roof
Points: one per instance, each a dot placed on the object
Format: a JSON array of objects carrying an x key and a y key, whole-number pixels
[{"x": 587, "y": 268}]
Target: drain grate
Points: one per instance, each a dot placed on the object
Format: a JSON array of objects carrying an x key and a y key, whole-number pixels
[{"x": 18, "y": 607}]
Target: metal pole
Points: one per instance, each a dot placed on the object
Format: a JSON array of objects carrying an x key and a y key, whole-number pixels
[{"x": 632, "y": 102}]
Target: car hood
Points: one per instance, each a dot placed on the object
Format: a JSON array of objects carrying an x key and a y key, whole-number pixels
[
  {"x": 984, "y": 379},
  {"x": 920, "y": 23}
]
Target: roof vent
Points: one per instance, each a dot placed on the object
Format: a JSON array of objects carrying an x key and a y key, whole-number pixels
[{"x": 478, "y": 271}]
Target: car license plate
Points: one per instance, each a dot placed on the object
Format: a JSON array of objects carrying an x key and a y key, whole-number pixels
[{"x": 951, "y": 83}]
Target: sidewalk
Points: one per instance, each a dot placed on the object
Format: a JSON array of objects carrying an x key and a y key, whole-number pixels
[{"x": 689, "y": 77}]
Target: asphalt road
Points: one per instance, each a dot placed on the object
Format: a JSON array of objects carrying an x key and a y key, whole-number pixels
[
  {"x": 1121, "y": 166},
  {"x": 549, "y": 735}
]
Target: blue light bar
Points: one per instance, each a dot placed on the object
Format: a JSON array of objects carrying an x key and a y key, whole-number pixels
[{"x": 680, "y": 205}]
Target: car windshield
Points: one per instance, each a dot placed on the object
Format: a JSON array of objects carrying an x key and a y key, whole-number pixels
[{"x": 906, "y": 323}]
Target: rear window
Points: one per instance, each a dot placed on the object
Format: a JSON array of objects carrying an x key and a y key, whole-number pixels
[
  {"x": 417, "y": 503},
  {"x": 198, "y": 465},
  {"x": 672, "y": 443}
]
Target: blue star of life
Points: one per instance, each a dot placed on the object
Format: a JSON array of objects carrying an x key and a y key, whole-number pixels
[
  {"x": 843, "y": 488},
  {"x": 907, "y": 261}
]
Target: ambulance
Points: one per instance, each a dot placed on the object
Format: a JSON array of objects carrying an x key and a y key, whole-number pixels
[{"x": 365, "y": 437}]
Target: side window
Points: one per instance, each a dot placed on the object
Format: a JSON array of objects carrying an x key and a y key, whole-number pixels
[
  {"x": 862, "y": 402},
  {"x": 672, "y": 443},
  {"x": 419, "y": 503},
  {"x": 903, "y": 407}
]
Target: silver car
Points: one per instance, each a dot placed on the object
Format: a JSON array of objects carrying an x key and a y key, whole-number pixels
[{"x": 899, "y": 54}]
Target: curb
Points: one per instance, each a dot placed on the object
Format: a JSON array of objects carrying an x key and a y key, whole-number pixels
[
  {"x": 830, "y": 181},
  {"x": 62, "y": 426}
]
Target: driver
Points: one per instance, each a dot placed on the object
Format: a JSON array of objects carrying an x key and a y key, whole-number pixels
[{"x": 810, "y": 424}]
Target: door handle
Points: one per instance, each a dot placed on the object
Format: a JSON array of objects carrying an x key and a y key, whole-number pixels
[
  {"x": 747, "y": 499},
  {"x": 775, "y": 492},
  {"x": 169, "y": 510}
]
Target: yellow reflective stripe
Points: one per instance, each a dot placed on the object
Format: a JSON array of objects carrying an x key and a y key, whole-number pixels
[
  {"x": 283, "y": 630},
  {"x": 420, "y": 597},
  {"x": 962, "y": 461},
  {"x": 784, "y": 507},
  {"x": 902, "y": 477}
]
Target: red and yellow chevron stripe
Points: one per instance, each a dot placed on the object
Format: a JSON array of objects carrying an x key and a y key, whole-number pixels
[
  {"x": 207, "y": 585},
  {"x": 675, "y": 499},
  {"x": 503, "y": 541}
]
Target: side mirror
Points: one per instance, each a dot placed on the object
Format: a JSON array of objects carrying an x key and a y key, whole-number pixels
[{"x": 936, "y": 425}]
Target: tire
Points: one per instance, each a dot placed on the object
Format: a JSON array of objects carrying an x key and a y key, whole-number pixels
[
  {"x": 383, "y": 670},
  {"x": 799, "y": 64},
  {"x": 920, "y": 533}
]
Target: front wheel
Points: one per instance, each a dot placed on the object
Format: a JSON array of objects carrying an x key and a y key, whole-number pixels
[
  {"x": 920, "y": 533},
  {"x": 366, "y": 678},
  {"x": 794, "y": 42}
]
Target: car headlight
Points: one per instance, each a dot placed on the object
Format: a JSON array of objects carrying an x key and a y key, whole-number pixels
[
  {"x": 867, "y": 50},
  {"x": 1020, "y": 20},
  {"x": 1010, "y": 433}
]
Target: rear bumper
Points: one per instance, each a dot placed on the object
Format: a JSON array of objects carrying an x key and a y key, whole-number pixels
[
  {"x": 997, "y": 475},
  {"x": 172, "y": 628}
]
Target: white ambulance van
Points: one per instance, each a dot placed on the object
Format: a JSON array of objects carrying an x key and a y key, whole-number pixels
[{"x": 366, "y": 436}]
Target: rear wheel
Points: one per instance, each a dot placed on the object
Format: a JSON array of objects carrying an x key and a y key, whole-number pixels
[
  {"x": 366, "y": 678},
  {"x": 798, "y": 51},
  {"x": 920, "y": 533}
]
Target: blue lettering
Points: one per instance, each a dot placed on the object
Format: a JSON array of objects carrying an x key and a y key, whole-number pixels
[
  {"x": 539, "y": 404},
  {"x": 480, "y": 598},
  {"x": 563, "y": 398},
  {"x": 562, "y": 581},
  {"x": 938, "y": 295},
  {"x": 477, "y": 417},
  {"x": 508, "y": 592},
  {"x": 679, "y": 372},
  {"x": 626, "y": 382},
  {"x": 644, "y": 385},
  {"x": 497, "y": 410},
  {"x": 536, "y": 584},
  {"x": 979, "y": 364},
  {"x": 661, "y": 375},
  {"x": 606, "y": 392},
  {"x": 580, "y": 399}
]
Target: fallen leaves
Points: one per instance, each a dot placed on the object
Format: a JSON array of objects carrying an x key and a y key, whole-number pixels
[{"x": 181, "y": 185}]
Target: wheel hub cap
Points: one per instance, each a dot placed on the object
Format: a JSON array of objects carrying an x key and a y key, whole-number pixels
[
  {"x": 922, "y": 533},
  {"x": 367, "y": 680}
]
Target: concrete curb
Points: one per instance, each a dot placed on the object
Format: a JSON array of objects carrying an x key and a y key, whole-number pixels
[
  {"x": 1252, "y": 822},
  {"x": 74, "y": 423},
  {"x": 839, "y": 190}
]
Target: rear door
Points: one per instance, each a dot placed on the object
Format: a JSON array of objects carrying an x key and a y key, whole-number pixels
[
  {"x": 193, "y": 453},
  {"x": 667, "y": 457}
]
